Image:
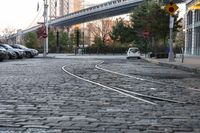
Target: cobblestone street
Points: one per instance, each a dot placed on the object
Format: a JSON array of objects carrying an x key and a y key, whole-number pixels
[{"x": 37, "y": 96}]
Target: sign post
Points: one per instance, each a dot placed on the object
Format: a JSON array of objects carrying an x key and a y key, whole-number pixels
[
  {"x": 146, "y": 36},
  {"x": 170, "y": 42},
  {"x": 171, "y": 9}
]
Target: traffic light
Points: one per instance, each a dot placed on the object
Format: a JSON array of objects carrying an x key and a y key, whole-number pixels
[{"x": 171, "y": 8}]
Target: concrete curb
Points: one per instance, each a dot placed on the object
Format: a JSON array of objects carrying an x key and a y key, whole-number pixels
[
  {"x": 174, "y": 66},
  {"x": 47, "y": 57}
]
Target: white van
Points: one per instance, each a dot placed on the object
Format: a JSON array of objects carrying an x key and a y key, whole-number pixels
[{"x": 133, "y": 53}]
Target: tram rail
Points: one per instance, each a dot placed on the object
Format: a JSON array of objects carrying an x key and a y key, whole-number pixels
[
  {"x": 141, "y": 79},
  {"x": 138, "y": 96}
]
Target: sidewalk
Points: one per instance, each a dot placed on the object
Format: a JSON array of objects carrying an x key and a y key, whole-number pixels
[{"x": 190, "y": 63}]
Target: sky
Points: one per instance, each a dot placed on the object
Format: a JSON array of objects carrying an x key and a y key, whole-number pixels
[{"x": 19, "y": 14}]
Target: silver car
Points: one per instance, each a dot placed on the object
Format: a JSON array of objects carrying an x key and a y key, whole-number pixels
[
  {"x": 20, "y": 53},
  {"x": 30, "y": 53},
  {"x": 3, "y": 53}
]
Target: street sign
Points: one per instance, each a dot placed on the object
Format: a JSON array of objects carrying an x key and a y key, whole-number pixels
[
  {"x": 42, "y": 32},
  {"x": 146, "y": 34},
  {"x": 171, "y": 8},
  {"x": 44, "y": 35}
]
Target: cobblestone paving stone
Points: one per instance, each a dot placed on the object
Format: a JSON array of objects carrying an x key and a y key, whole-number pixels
[{"x": 36, "y": 96}]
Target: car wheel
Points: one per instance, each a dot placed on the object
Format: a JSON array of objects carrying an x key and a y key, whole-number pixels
[
  {"x": 18, "y": 57},
  {"x": 7, "y": 57},
  {"x": 14, "y": 56},
  {"x": 29, "y": 55}
]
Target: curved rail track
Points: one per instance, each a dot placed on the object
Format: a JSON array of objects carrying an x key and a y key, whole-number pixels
[
  {"x": 142, "y": 79},
  {"x": 139, "y": 96}
]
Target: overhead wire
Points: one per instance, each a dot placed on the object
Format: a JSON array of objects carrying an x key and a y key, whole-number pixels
[{"x": 31, "y": 24}]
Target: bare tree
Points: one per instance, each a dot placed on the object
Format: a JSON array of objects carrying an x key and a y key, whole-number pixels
[
  {"x": 8, "y": 31},
  {"x": 100, "y": 28}
]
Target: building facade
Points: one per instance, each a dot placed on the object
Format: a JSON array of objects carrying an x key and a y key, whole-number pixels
[
  {"x": 59, "y": 8},
  {"x": 192, "y": 27}
]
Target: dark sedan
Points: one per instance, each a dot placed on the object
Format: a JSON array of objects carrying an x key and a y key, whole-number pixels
[
  {"x": 30, "y": 53},
  {"x": 3, "y": 53}
]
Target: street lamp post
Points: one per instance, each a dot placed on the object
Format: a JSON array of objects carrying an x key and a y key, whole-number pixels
[{"x": 45, "y": 14}]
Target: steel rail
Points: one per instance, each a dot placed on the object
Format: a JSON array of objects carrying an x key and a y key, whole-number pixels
[
  {"x": 139, "y": 94},
  {"x": 107, "y": 87},
  {"x": 150, "y": 97},
  {"x": 125, "y": 75},
  {"x": 142, "y": 79}
]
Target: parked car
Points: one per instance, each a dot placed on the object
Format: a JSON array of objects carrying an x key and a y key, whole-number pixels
[
  {"x": 11, "y": 53},
  {"x": 133, "y": 53},
  {"x": 30, "y": 53},
  {"x": 3, "y": 53},
  {"x": 19, "y": 53}
]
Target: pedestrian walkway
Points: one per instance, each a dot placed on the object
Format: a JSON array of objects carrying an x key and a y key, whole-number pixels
[{"x": 190, "y": 63}]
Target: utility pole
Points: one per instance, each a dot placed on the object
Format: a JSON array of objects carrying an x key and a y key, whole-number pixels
[
  {"x": 45, "y": 15},
  {"x": 170, "y": 41}
]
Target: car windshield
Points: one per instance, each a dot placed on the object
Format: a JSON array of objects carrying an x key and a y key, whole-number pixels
[
  {"x": 134, "y": 50},
  {"x": 2, "y": 48},
  {"x": 7, "y": 46},
  {"x": 20, "y": 46}
]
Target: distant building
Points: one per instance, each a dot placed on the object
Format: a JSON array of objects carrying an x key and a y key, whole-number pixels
[
  {"x": 69, "y": 6},
  {"x": 192, "y": 27},
  {"x": 62, "y": 7}
]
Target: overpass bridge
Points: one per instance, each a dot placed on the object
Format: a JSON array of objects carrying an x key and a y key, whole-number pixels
[{"x": 108, "y": 9}]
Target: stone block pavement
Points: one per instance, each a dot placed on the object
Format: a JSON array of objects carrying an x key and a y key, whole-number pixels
[
  {"x": 37, "y": 97},
  {"x": 189, "y": 63}
]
